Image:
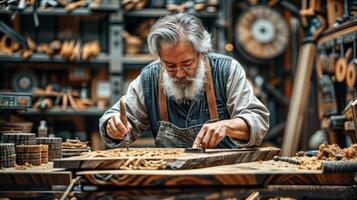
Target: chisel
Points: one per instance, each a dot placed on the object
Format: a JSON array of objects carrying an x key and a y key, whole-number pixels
[{"x": 124, "y": 119}]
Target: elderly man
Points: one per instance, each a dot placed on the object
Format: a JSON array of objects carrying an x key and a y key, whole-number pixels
[{"x": 189, "y": 97}]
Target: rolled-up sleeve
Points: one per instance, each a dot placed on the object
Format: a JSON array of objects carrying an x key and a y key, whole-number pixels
[
  {"x": 242, "y": 103},
  {"x": 136, "y": 112}
]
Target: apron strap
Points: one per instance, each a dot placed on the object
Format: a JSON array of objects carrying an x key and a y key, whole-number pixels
[
  {"x": 211, "y": 97},
  {"x": 162, "y": 100}
]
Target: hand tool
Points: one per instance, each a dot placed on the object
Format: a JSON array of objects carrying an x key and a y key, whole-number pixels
[
  {"x": 287, "y": 159},
  {"x": 124, "y": 119}
]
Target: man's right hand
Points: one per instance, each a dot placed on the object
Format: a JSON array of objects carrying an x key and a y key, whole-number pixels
[{"x": 116, "y": 129}]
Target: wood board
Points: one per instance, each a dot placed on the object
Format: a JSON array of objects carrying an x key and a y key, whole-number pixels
[
  {"x": 36, "y": 176},
  {"x": 212, "y": 157},
  {"x": 244, "y": 174}
]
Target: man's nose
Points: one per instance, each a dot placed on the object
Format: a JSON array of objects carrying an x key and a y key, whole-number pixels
[{"x": 180, "y": 73}]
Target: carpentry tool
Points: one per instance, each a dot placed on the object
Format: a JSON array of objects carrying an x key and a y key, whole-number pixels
[
  {"x": 354, "y": 117},
  {"x": 124, "y": 119},
  {"x": 287, "y": 159},
  {"x": 195, "y": 150},
  {"x": 307, "y": 153},
  {"x": 339, "y": 166}
]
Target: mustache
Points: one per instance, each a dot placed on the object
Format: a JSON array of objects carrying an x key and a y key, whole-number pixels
[{"x": 175, "y": 79}]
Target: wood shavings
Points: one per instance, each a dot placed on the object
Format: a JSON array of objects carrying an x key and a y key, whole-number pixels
[
  {"x": 328, "y": 153},
  {"x": 143, "y": 164},
  {"x": 69, "y": 144},
  {"x": 145, "y": 153},
  {"x": 138, "y": 159}
]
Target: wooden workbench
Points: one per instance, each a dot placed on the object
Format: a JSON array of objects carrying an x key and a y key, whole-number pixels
[
  {"x": 37, "y": 182},
  {"x": 244, "y": 174}
]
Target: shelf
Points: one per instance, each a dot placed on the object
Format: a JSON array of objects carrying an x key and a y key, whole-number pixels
[
  {"x": 62, "y": 12},
  {"x": 93, "y": 111},
  {"x": 137, "y": 61},
  {"x": 154, "y": 12},
  {"x": 103, "y": 58}
]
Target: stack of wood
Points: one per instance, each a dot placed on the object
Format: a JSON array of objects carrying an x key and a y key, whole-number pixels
[
  {"x": 71, "y": 50},
  {"x": 54, "y": 146},
  {"x": 30, "y": 154},
  {"x": 44, "y": 153},
  {"x": 74, "y": 50},
  {"x": 19, "y": 138},
  {"x": 74, "y": 148},
  {"x": 67, "y": 97},
  {"x": 7, "y": 155}
]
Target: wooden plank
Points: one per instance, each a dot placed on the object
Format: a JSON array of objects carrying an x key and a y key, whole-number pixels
[
  {"x": 43, "y": 175},
  {"x": 34, "y": 178},
  {"x": 244, "y": 174},
  {"x": 212, "y": 157},
  {"x": 299, "y": 99}
]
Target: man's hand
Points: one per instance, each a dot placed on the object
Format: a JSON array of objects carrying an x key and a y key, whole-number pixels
[
  {"x": 116, "y": 129},
  {"x": 210, "y": 135}
]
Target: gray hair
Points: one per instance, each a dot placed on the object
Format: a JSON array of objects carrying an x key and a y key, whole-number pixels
[{"x": 172, "y": 29}]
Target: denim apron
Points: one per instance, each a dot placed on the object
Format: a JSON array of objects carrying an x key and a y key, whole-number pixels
[{"x": 170, "y": 135}]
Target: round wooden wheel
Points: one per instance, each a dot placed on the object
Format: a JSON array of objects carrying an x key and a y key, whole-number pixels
[
  {"x": 351, "y": 75},
  {"x": 340, "y": 69},
  {"x": 261, "y": 32}
]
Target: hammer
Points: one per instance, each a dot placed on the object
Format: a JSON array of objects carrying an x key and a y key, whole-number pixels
[{"x": 124, "y": 119}]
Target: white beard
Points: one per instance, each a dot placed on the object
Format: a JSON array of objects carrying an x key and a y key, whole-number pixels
[{"x": 185, "y": 92}]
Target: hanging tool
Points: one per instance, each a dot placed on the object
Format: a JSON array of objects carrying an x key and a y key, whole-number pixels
[
  {"x": 13, "y": 35},
  {"x": 124, "y": 119}
]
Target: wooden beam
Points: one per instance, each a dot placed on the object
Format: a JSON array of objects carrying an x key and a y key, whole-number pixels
[{"x": 299, "y": 99}]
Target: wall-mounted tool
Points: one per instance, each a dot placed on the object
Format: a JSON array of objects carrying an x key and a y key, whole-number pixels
[
  {"x": 261, "y": 33},
  {"x": 13, "y": 35},
  {"x": 24, "y": 80}
]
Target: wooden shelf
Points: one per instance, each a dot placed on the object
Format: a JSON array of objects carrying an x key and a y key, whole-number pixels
[
  {"x": 62, "y": 12},
  {"x": 93, "y": 111},
  {"x": 103, "y": 58},
  {"x": 137, "y": 61},
  {"x": 155, "y": 12}
]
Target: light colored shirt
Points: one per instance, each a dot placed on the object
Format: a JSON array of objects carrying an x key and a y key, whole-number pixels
[{"x": 241, "y": 103}]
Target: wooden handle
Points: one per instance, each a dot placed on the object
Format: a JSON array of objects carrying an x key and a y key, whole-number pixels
[
  {"x": 122, "y": 107},
  {"x": 349, "y": 54}
]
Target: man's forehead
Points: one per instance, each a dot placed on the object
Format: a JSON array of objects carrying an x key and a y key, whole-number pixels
[{"x": 178, "y": 52}]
